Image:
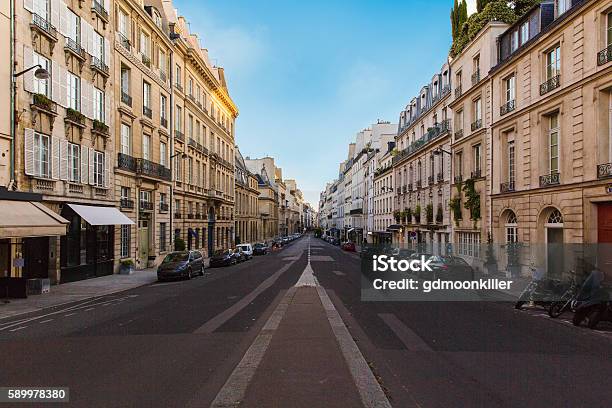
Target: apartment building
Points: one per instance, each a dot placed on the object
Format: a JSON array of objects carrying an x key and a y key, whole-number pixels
[
  {"x": 422, "y": 172},
  {"x": 383, "y": 199},
  {"x": 551, "y": 130},
  {"x": 268, "y": 200},
  {"x": 471, "y": 107},
  {"x": 247, "y": 199}
]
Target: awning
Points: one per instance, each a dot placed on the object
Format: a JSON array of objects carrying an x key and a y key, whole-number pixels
[
  {"x": 394, "y": 227},
  {"x": 101, "y": 215},
  {"x": 21, "y": 219}
]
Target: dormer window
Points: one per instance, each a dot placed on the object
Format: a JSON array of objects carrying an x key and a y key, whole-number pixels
[
  {"x": 562, "y": 6},
  {"x": 157, "y": 18},
  {"x": 524, "y": 32}
]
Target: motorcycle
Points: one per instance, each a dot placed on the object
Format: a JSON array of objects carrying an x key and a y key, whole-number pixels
[
  {"x": 593, "y": 302},
  {"x": 540, "y": 291},
  {"x": 567, "y": 301}
]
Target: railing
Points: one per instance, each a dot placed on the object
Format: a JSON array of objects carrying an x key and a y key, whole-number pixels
[
  {"x": 99, "y": 10},
  {"x": 550, "y": 179},
  {"x": 126, "y": 203},
  {"x": 604, "y": 170},
  {"x": 552, "y": 83},
  {"x": 430, "y": 180},
  {"x": 149, "y": 168},
  {"x": 476, "y": 125},
  {"x": 446, "y": 89},
  {"x": 41, "y": 101},
  {"x": 177, "y": 215},
  {"x": 100, "y": 127},
  {"x": 44, "y": 25},
  {"x": 126, "y": 162},
  {"x": 124, "y": 41},
  {"x": 476, "y": 173},
  {"x": 440, "y": 177},
  {"x": 178, "y": 135},
  {"x": 433, "y": 133},
  {"x": 418, "y": 183},
  {"x": 458, "y": 179},
  {"x": 507, "y": 107},
  {"x": 506, "y": 187},
  {"x": 190, "y": 216},
  {"x": 458, "y": 91},
  {"x": 147, "y": 112},
  {"x": 74, "y": 47},
  {"x": 126, "y": 98},
  {"x": 459, "y": 134},
  {"x": 146, "y": 206},
  {"x": 476, "y": 77},
  {"x": 146, "y": 60},
  {"x": 604, "y": 56},
  {"x": 98, "y": 64},
  {"x": 164, "y": 122},
  {"x": 198, "y": 216},
  {"x": 75, "y": 116},
  {"x": 163, "y": 207}
]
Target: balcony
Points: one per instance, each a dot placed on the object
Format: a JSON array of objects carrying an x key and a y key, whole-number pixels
[
  {"x": 440, "y": 177},
  {"x": 146, "y": 60},
  {"x": 99, "y": 9},
  {"x": 152, "y": 169},
  {"x": 190, "y": 216},
  {"x": 604, "y": 170},
  {"x": 476, "y": 77},
  {"x": 147, "y": 112},
  {"x": 458, "y": 179},
  {"x": 551, "y": 84},
  {"x": 75, "y": 117},
  {"x": 178, "y": 135},
  {"x": 458, "y": 91},
  {"x": 98, "y": 65},
  {"x": 126, "y": 98},
  {"x": 126, "y": 162},
  {"x": 100, "y": 128},
  {"x": 126, "y": 203},
  {"x": 476, "y": 125},
  {"x": 476, "y": 174},
  {"x": 604, "y": 56},
  {"x": 198, "y": 216},
  {"x": 418, "y": 184},
  {"x": 146, "y": 206},
  {"x": 164, "y": 122},
  {"x": 163, "y": 76},
  {"x": 551, "y": 179},
  {"x": 177, "y": 215},
  {"x": 409, "y": 186},
  {"x": 163, "y": 207},
  {"x": 507, "y": 107},
  {"x": 124, "y": 41},
  {"x": 433, "y": 133},
  {"x": 506, "y": 187},
  {"x": 74, "y": 48},
  {"x": 430, "y": 180},
  {"x": 459, "y": 134},
  {"x": 44, "y": 27},
  {"x": 44, "y": 104},
  {"x": 404, "y": 189}
]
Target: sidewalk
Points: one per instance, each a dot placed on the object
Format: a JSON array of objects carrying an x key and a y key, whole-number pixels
[{"x": 75, "y": 291}]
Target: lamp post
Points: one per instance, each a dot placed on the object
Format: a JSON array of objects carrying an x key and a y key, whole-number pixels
[{"x": 171, "y": 203}]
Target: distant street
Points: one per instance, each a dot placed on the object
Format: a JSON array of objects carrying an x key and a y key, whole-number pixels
[{"x": 184, "y": 343}]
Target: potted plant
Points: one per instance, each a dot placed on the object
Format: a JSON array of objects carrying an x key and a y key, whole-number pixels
[
  {"x": 408, "y": 213},
  {"x": 429, "y": 213},
  {"x": 126, "y": 267}
]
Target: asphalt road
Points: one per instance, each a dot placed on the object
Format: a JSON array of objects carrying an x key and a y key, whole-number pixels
[{"x": 175, "y": 344}]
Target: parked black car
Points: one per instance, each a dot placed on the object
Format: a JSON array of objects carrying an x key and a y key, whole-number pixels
[
  {"x": 223, "y": 258},
  {"x": 260, "y": 249},
  {"x": 182, "y": 264}
]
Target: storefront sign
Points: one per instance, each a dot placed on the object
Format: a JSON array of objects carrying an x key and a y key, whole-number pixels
[{"x": 609, "y": 189}]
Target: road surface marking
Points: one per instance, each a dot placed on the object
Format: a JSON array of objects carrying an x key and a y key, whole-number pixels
[
  {"x": 90, "y": 309},
  {"x": 411, "y": 340},
  {"x": 322, "y": 258},
  {"x": 339, "y": 273},
  {"x": 234, "y": 389},
  {"x": 220, "y": 319},
  {"x": 69, "y": 314},
  {"x": 46, "y": 321},
  {"x": 18, "y": 328}
]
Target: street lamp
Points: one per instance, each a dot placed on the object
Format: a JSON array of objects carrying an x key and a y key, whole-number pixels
[
  {"x": 438, "y": 151},
  {"x": 40, "y": 72}
]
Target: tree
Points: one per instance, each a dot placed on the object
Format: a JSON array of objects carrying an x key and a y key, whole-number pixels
[
  {"x": 480, "y": 4},
  {"x": 522, "y": 6}
]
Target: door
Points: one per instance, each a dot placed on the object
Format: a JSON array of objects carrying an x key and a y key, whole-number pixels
[
  {"x": 211, "y": 233},
  {"x": 554, "y": 247},
  {"x": 604, "y": 237},
  {"x": 36, "y": 256},
  {"x": 143, "y": 231}
]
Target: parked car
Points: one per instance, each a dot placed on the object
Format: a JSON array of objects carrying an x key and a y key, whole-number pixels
[
  {"x": 445, "y": 267},
  {"x": 348, "y": 246},
  {"x": 260, "y": 249},
  {"x": 180, "y": 264},
  {"x": 240, "y": 255},
  {"x": 247, "y": 249},
  {"x": 223, "y": 258}
]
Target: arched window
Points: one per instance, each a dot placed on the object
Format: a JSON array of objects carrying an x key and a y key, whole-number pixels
[
  {"x": 511, "y": 227},
  {"x": 555, "y": 217}
]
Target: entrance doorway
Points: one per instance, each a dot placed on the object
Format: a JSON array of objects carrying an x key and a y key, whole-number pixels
[
  {"x": 555, "y": 262},
  {"x": 143, "y": 246},
  {"x": 36, "y": 256},
  {"x": 604, "y": 237}
]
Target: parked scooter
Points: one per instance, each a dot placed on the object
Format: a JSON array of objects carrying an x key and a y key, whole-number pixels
[
  {"x": 540, "y": 291},
  {"x": 593, "y": 302},
  {"x": 567, "y": 301}
]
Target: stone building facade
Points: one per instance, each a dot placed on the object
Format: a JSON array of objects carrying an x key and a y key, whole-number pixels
[{"x": 248, "y": 221}]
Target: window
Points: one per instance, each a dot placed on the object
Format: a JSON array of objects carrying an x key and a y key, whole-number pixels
[
  {"x": 198, "y": 93},
  {"x": 145, "y": 43},
  {"x": 459, "y": 120},
  {"x": 98, "y": 105},
  {"x": 125, "y": 80},
  {"x": 477, "y": 109},
  {"x": 125, "y": 139},
  {"x": 74, "y": 27},
  {"x": 41, "y": 86},
  {"x": 157, "y": 18},
  {"x": 553, "y": 62},
  {"x": 98, "y": 50},
  {"x": 145, "y": 197},
  {"x": 509, "y": 84},
  {"x": 125, "y": 193},
  {"x": 190, "y": 171},
  {"x": 146, "y": 147},
  {"x": 477, "y": 159},
  {"x": 524, "y": 32},
  {"x": 124, "y": 24},
  {"x": 42, "y": 152},
  {"x": 163, "y": 67},
  {"x": 74, "y": 163},
  {"x": 459, "y": 164},
  {"x": 609, "y": 30},
  {"x": 146, "y": 94},
  {"x": 469, "y": 244},
  {"x": 41, "y": 7},
  {"x": 125, "y": 241},
  {"x": 190, "y": 86},
  {"x": 562, "y": 6},
  {"x": 163, "y": 153},
  {"x": 511, "y": 163},
  {"x": 178, "y": 75},
  {"x": 511, "y": 228},
  {"x": 553, "y": 146},
  {"x": 98, "y": 169},
  {"x": 190, "y": 126},
  {"x": 514, "y": 40},
  {"x": 163, "y": 103},
  {"x": 162, "y": 236},
  {"x": 178, "y": 118},
  {"x": 74, "y": 91}
]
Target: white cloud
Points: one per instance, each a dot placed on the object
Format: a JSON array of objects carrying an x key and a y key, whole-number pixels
[{"x": 363, "y": 84}]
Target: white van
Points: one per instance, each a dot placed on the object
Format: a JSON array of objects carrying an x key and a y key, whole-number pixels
[{"x": 247, "y": 249}]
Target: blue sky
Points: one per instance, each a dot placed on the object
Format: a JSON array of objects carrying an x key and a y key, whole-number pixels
[{"x": 308, "y": 75}]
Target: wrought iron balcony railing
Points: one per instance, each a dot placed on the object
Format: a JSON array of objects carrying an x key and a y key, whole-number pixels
[
  {"x": 126, "y": 162},
  {"x": 409, "y": 186},
  {"x": 604, "y": 56},
  {"x": 146, "y": 206},
  {"x": 477, "y": 124},
  {"x": 430, "y": 180},
  {"x": 458, "y": 134},
  {"x": 147, "y": 112},
  {"x": 126, "y": 203},
  {"x": 126, "y": 98},
  {"x": 143, "y": 166},
  {"x": 178, "y": 135},
  {"x": 604, "y": 170},
  {"x": 440, "y": 177},
  {"x": 477, "y": 173},
  {"x": 550, "y": 179},
  {"x": 507, "y": 107},
  {"x": 163, "y": 207},
  {"x": 44, "y": 26},
  {"x": 124, "y": 41},
  {"x": 99, "y": 9},
  {"x": 418, "y": 183},
  {"x": 458, "y": 179},
  {"x": 551, "y": 84},
  {"x": 476, "y": 77},
  {"x": 458, "y": 91},
  {"x": 99, "y": 65},
  {"x": 506, "y": 187},
  {"x": 164, "y": 122},
  {"x": 75, "y": 48}
]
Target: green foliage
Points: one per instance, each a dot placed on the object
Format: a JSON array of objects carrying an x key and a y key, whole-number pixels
[
  {"x": 127, "y": 262},
  {"x": 472, "y": 202},
  {"x": 523, "y": 6},
  {"x": 397, "y": 214},
  {"x": 439, "y": 214},
  {"x": 179, "y": 244},
  {"x": 480, "y": 4},
  {"x": 408, "y": 214},
  {"x": 458, "y": 16},
  {"x": 318, "y": 232},
  {"x": 455, "y": 205},
  {"x": 417, "y": 213},
  {"x": 429, "y": 213}
]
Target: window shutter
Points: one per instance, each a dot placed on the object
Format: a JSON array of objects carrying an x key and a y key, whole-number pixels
[
  {"x": 63, "y": 20},
  {"x": 84, "y": 165},
  {"x": 55, "y": 158},
  {"x": 107, "y": 168},
  {"x": 90, "y": 40},
  {"x": 63, "y": 173},
  {"x": 55, "y": 6},
  {"x": 86, "y": 98},
  {"x": 63, "y": 85},
  {"x": 107, "y": 109},
  {"x": 28, "y": 61},
  {"x": 29, "y": 152},
  {"x": 28, "y": 5},
  {"x": 55, "y": 82},
  {"x": 91, "y": 166}
]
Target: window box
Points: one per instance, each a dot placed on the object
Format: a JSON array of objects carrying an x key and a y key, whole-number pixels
[
  {"x": 98, "y": 65},
  {"x": 75, "y": 117},
  {"x": 100, "y": 127},
  {"x": 43, "y": 103}
]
